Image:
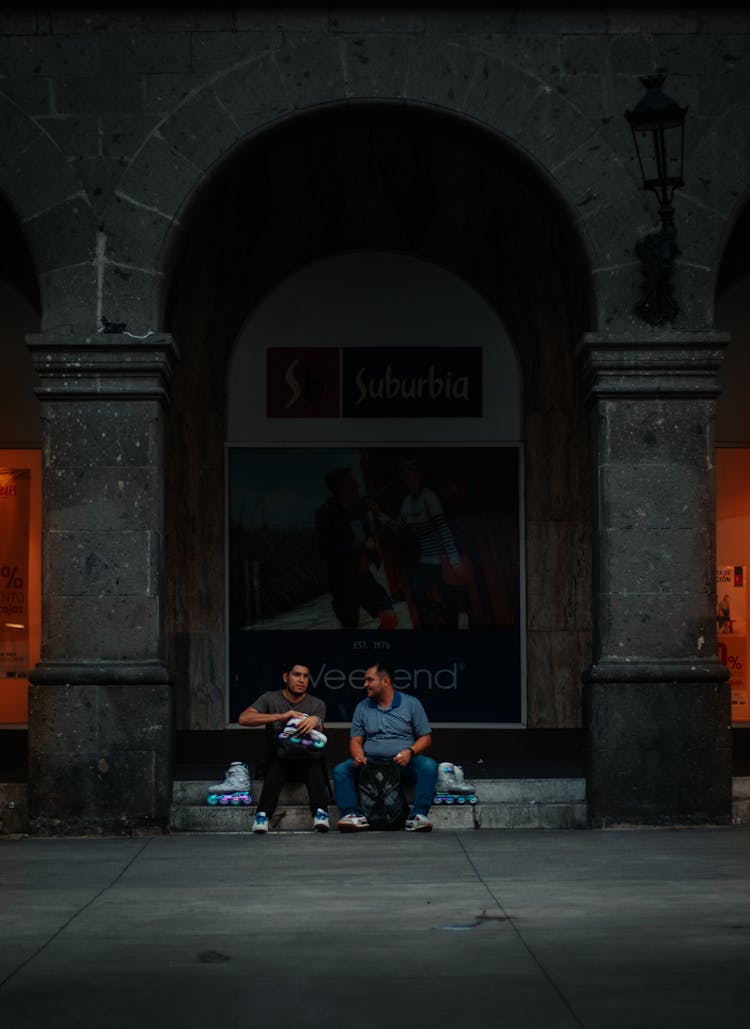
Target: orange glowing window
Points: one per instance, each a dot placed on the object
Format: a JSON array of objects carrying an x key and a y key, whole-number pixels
[
  {"x": 20, "y": 578},
  {"x": 733, "y": 570}
]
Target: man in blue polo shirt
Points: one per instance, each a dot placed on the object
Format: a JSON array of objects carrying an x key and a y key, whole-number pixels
[{"x": 387, "y": 726}]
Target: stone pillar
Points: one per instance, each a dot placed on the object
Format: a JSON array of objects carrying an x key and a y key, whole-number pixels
[
  {"x": 100, "y": 705},
  {"x": 657, "y": 704}
]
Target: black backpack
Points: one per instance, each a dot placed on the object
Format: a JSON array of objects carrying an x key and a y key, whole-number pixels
[{"x": 381, "y": 795}]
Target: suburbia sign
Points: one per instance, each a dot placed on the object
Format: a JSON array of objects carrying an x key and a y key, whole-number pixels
[
  {"x": 374, "y": 382},
  {"x": 412, "y": 382}
]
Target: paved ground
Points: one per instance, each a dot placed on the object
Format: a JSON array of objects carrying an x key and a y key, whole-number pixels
[{"x": 544, "y": 929}]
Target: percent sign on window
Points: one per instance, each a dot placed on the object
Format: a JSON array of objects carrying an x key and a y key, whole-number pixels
[{"x": 11, "y": 578}]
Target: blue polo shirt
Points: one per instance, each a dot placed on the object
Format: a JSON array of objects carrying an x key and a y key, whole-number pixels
[{"x": 387, "y": 730}]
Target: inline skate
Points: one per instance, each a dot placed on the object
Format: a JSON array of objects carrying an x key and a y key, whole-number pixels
[
  {"x": 235, "y": 789},
  {"x": 451, "y": 787}
]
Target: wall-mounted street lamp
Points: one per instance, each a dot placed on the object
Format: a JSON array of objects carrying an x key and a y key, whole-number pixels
[{"x": 658, "y": 125}]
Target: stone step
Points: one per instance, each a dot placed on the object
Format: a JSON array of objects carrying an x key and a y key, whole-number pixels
[
  {"x": 13, "y": 808},
  {"x": 502, "y": 804},
  {"x": 490, "y": 791},
  {"x": 296, "y": 818},
  {"x": 741, "y": 800}
]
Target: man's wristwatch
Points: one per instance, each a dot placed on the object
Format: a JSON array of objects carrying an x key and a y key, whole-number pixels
[{"x": 411, "y": 751}]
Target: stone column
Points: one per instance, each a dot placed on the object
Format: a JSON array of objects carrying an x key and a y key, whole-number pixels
[
  {"x": 656, "y": 701},
  {"x": 100, "y": 704}
]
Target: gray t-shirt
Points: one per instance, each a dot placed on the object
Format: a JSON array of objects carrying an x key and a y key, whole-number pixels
[{"x": 275, "y": 703}]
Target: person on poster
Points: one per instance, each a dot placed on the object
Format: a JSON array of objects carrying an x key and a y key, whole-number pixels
[
  {"x": 273, "y": 710},
  {"x": 439, "y": 603},
  {"x": 344, "y": 533},
  {"x": 387, "y": 725},
  {"x": 723, "y": 614}
]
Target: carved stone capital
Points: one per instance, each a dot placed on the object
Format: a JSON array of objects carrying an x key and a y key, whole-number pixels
[
  {"x": 667, "y": 671},
  {"x": 669, "y": 364},
  {"x": 103, "y": 367},
  {"x": 100, "y": 673}
]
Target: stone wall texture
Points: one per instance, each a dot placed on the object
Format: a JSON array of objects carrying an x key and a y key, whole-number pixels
[{"x": 112, "y": 120}]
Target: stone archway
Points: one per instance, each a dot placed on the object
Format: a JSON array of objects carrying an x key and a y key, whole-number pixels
[
  {"x": 123, "y": 267},
  {"x": 187, "y": 146},
  {"x": 55, "y": 217},
  {"x": 421, "y": 183},
  {"x": 21, "y": 302}
]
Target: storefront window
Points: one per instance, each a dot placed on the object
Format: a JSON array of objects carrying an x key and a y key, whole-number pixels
[
  {"x": 374, "y": 473},
  {"x": 733, "y": 569},
  {"x": 20, "y": 579}
]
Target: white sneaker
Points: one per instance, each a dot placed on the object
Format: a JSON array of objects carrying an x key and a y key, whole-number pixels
[
  {"x": 320, "y": 821},
  {"x": 352, "y": 823},
  {"x": 261, "y": 822},
  {"x": 418, "y": 823}
]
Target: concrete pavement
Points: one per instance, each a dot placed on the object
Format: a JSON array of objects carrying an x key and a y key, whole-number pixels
[{"x": 556, "y": 930}]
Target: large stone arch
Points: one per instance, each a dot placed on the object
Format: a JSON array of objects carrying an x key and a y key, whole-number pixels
[
  {"x": 716, "y": 196},
  {"x": 118, "y": 268},
  {"x": 55, "y": 216},
  {"x": 592, "y": 181},
  {"x": 730, "y": 267},
  {"x": 529, "y": 281}
]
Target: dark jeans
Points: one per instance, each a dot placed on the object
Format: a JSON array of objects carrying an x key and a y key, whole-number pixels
[
  {"x": 312, "y": 772},
  {"x": 421, "y": 771}
]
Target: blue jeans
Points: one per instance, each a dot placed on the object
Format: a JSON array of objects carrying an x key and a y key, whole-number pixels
[{"x": 421, "y": 771}]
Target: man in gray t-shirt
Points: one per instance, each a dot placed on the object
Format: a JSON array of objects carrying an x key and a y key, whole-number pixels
[{"x": 273, "y": 710}]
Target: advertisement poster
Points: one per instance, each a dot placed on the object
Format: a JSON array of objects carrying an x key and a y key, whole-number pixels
[
  {"x": 340, "y": 557},
  {"x": 731, "y": 632},
  {"x": 15, "y": 499}
]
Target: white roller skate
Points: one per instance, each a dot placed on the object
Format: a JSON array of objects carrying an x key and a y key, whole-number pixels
[
  {"x": 313, "y": 738},
  {"x": 451, "y": 787},
  {"x": 235, "y": 789}
]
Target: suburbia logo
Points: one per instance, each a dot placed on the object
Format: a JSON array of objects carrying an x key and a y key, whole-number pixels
[
  {"x": 303, "y": 382},
  {"x": 446, "y": 678},
  {"x": 412, "y": 382},
  {"x": 391, "y": 387},
  {"x": 374, "y": 382}
]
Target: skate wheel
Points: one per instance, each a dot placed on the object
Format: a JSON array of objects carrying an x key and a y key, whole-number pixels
[
  {"x": 212, "y": 799},
  {"x": 246, "y": 799},
  {"x": 450, "y": 800},
  {"x": 234, "y": 799},
  {"x": 460, "y": 800},
  {"x": 224, "y": 800}
]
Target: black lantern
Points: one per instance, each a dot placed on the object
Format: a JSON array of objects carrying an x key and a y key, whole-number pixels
[{"x": 658, "y": 125}]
